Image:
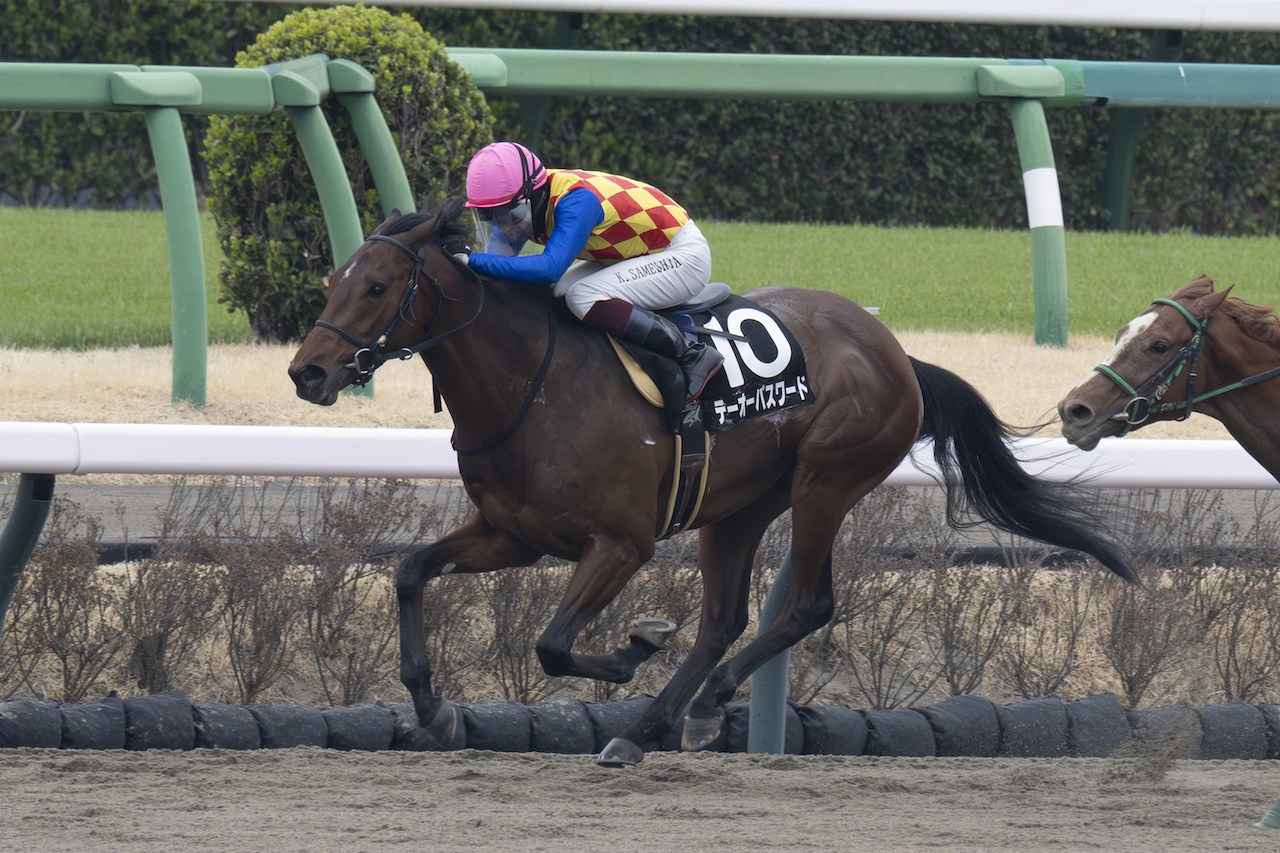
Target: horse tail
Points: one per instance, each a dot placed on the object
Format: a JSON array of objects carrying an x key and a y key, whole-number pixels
[{"x": 982, "y": 477}]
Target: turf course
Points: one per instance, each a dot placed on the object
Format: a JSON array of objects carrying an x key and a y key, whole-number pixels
[{"x": 88, "y": 279}]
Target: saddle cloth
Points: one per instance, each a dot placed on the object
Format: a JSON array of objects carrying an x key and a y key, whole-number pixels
[{"x": 764, "y": 367}]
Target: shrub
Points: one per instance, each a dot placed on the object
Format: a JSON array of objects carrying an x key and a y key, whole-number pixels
[{"x": 261, "y": 193}]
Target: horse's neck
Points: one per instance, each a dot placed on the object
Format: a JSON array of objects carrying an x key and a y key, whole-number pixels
[
  {"x": 1251, "y": 415},
  {"x": 485, "y": 371}
]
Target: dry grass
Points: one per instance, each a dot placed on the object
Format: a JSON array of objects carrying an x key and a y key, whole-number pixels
[{"x": 247, "y": 385}]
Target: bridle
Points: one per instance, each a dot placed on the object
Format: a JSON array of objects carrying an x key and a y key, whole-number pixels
[
  {"x": 1143, "y": 405},
  {"x": 375, "y": 354}
]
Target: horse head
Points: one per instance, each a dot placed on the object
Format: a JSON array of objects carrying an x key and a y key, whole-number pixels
[
  {"x": 384, "y": 303},
  {"x": 1155, "y": 354}
]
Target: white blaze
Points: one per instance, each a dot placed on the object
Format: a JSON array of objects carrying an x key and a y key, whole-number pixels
[{"x": 1136, "y": 328}]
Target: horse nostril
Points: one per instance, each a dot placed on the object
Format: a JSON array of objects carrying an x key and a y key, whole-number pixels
[
  {"x": 310, "y": 377},
  {"x": 1079, "y": 413}
]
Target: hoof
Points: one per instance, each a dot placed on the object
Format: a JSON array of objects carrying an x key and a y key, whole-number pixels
[
  {"x": 655, "y": 632},
  {"x": 443, "y": 725},
  {"x": 620, "y": 753},
  {"x": 701, "y": 732}
]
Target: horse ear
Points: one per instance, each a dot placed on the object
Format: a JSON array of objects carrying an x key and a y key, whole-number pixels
[
  {"x": 416, "y": 238},
  {"x": 395, "y": 214},
  {"x": 1207, "y": 305}
]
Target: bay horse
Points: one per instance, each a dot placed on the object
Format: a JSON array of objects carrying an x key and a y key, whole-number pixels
[
  {"x": 561, "y": 456},
  {"x": 1199, "y": 350}
]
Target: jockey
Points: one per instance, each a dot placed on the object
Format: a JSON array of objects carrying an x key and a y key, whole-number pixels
[{"x": 635, "y": 249}]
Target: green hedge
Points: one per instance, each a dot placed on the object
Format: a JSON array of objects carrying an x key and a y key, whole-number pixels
[
  {"x": 261, "y": 193},
  {"x": 1204, "y": 170}
]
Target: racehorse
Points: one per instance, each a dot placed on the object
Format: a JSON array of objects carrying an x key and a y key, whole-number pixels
[
  {"x": 1205, "y": 352},
  {"x": 561, "y": 456}
]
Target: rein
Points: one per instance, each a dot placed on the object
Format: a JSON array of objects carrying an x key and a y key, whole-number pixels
[{"x": 1140, "y": 407}]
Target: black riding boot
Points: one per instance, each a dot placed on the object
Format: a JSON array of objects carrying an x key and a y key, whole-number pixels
[{"x": 658, "y": 334}]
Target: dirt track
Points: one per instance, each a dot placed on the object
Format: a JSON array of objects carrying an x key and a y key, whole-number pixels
[{"x": 283, "y": 801}]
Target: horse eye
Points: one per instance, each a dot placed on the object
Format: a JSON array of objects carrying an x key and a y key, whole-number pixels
[
  {"x": 377, "y": 289},
  {"x": 1159, "y": 348}
]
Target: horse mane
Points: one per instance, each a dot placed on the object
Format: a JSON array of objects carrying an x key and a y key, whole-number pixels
[
  {"x": 1257, "y": 322},
  {"x": 451, "y": 231}
]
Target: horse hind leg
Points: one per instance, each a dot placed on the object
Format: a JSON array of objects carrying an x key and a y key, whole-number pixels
[
  {"x": 474, "y": 547},
  {"x": 726, "y": 553},
  {"x": 815, "y": 520}
]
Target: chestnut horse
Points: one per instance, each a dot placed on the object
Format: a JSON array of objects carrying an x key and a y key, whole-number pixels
[
  {"x": 1199, "y": 350},
  {"x": 561, "y": 456}
]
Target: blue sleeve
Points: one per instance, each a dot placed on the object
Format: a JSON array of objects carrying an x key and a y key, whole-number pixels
[{"x": 577, "y": 214}]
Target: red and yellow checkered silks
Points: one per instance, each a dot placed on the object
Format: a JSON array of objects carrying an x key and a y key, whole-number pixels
[{"x": 638, "y": 219}]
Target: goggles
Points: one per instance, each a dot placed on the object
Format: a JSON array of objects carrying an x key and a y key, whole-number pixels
[{"x": 513, "y": 222}]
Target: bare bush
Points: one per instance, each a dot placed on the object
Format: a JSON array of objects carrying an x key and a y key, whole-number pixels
[
  {"x": 969, "y": 618},
  {"x": 70, "y": 610},
  {"x": 265, "y": 598},
  {"x": 167, "y": 608},
  {"x": 1048, "y": 616},
  {"x": 520, "y": 603},
  {"x": 1244, "y": 641},
  {"x": 1145, "y": 633}
]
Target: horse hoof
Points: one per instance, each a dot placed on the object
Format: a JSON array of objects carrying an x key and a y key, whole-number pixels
[
  {"x": 701, "y": 732},
  {"x": 653, "y": 631},
  {"x": 620, "y": 753},
  {"x": 443, "y": 725}
]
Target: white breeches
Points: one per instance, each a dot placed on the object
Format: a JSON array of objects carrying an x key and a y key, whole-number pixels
[{"x": 660, "y": 280}]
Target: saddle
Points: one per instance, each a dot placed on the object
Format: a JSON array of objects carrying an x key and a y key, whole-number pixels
[
  {"x": 693, "y": 441},
  {"x": 764, "y": 372}
]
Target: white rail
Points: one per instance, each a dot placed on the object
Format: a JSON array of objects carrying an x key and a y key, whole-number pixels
[{"x": 88, "y": 448}]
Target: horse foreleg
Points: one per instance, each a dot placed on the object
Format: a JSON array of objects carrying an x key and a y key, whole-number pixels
[
  {"x": 603, "y": 570},
  {"x": 474, "y": 547}
]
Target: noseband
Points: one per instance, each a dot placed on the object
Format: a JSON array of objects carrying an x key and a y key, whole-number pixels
[
  {"x": 375, "y": 354},
  {"x": 1141, "y": 407}
]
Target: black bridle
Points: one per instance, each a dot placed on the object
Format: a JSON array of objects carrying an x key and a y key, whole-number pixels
[
  {"x": 378, "y": 356},
  {"x": 375, "y": 354}
]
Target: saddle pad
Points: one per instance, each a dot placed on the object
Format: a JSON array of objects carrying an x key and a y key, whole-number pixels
[{"x": 764, "y": 373}]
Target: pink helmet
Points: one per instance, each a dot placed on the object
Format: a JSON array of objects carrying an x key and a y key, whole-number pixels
[{"x": 503, "y": 172}]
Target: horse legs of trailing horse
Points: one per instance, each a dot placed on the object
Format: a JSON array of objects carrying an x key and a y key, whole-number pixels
[
  {"x": 602, "y": 571},
  {"x": 726, "y": 551},
  {"x": 474, "y": 547}
]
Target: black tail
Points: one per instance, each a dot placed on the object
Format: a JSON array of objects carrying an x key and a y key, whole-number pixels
[{"x": 984, "y": 479}]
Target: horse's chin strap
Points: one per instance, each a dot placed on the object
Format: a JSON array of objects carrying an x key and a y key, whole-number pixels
[{"x": 375, "y": 354}]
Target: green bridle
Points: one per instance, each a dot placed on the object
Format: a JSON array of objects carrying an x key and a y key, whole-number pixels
[{"x": 1141, "y": 407}]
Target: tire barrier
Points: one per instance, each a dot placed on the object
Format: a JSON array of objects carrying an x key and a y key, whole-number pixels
[{"x": 1094, "y": 727}]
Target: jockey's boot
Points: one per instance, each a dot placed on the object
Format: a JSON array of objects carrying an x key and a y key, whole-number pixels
[{"x": 664, "y": 337}]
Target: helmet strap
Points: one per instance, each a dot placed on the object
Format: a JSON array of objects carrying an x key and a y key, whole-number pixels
[{"x": 538, "y": 209}]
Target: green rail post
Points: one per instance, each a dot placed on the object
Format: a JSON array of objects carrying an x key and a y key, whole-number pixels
[
  {"x": 300, "y": 96},
  {"x": 1044, "y": 216},
  {"x": 160, "y": 95},
  {"x": 767, "y": 711},
  {"x": 1126, "y": 124},
  {"x": 21, "y": 533},
  {"x": 1022, "y": 86},
  {"x": 354, "y": 87}
]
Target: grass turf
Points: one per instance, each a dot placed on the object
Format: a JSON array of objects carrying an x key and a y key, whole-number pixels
[{"x": 85, "y": 279}]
